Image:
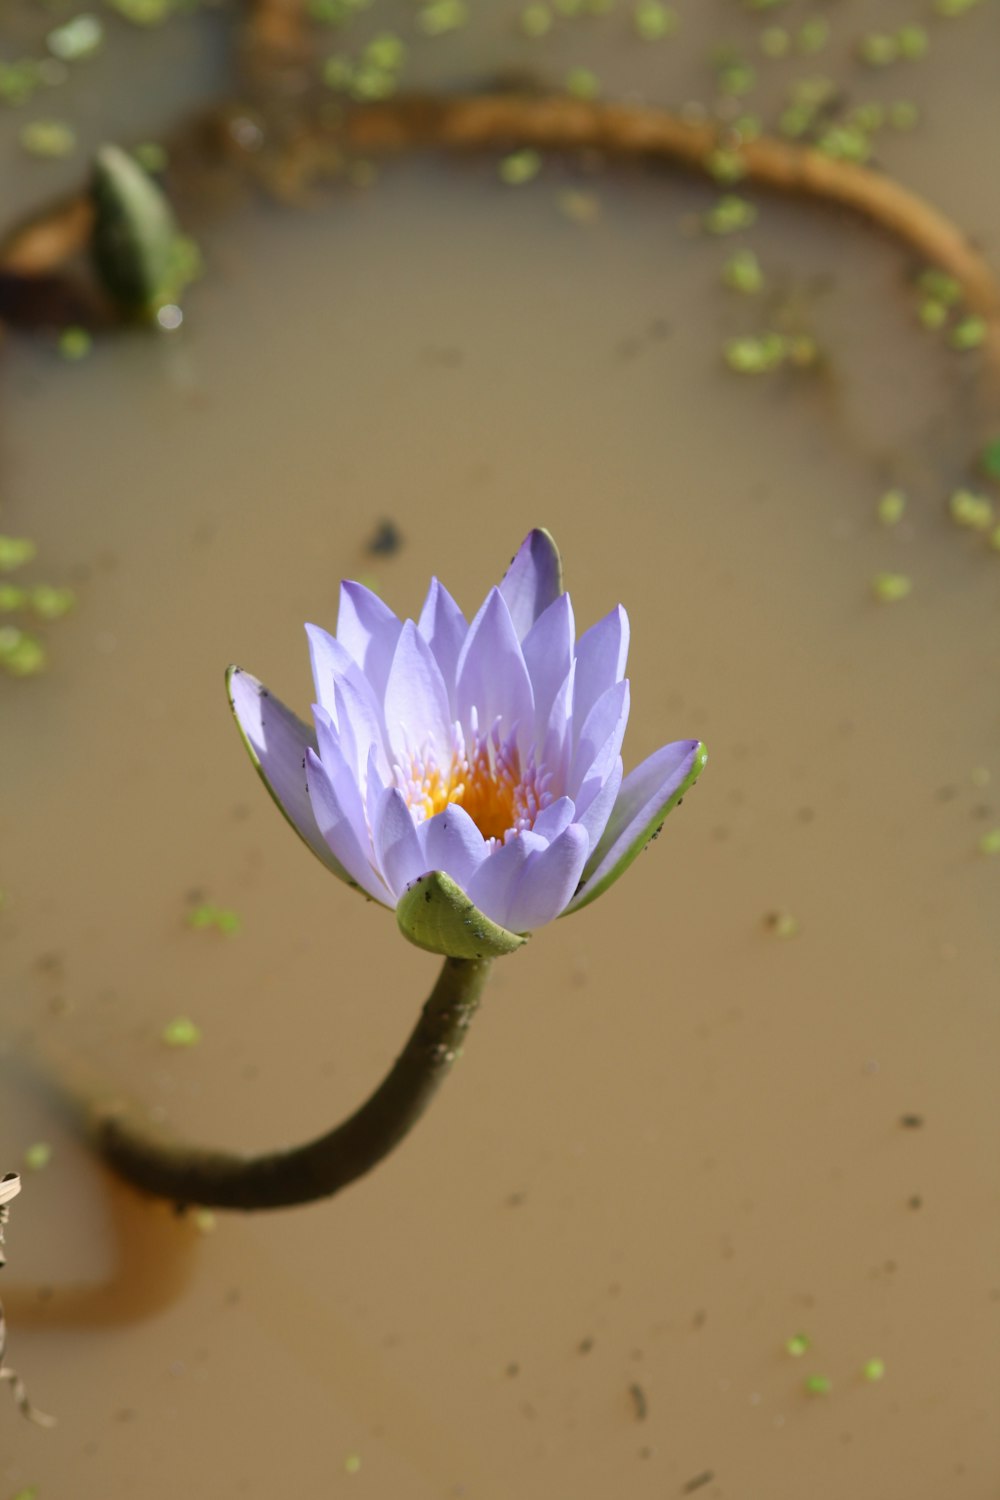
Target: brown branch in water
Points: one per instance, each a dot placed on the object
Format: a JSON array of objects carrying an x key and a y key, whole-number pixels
[
  {"x": 554, "y": 122},
  {"x": 640, "y": 131},
  {"x": 303, "y": 1174},
  {"x": 276, "y": 29}
]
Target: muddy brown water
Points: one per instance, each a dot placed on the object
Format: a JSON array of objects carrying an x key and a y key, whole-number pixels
[{"x": 676, "y": 1139}]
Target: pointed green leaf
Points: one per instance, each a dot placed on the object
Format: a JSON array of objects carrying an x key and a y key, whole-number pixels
[
  {"x": 134, "y": 232},
  {"x": 436, "y": 914}
]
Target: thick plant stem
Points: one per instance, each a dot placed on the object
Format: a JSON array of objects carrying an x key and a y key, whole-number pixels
[{"x": 302, "y": 1174}]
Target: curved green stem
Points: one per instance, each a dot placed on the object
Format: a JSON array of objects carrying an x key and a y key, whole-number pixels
[{"x": 301, "y": 1174}]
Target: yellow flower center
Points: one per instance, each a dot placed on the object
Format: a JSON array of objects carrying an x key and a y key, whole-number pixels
[{"x": 488, "y": 783}]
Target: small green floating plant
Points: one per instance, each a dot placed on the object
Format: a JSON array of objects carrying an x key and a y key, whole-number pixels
[{"x": 465, "y": 775}]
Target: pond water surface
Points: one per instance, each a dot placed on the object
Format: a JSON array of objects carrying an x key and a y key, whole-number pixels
[{"x": 677, "y": 1137}]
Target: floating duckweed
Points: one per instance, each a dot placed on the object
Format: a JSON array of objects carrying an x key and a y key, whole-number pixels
[
  {"x": 599, "y": 7},
  {"x": 520, "y": 167},
  {"x": 581, "y": 83},
  {"x": 536, "y": 20},
  {"x": 21, "y": 654},
  {"x": 815, "y": 91},
  {"x": 873, "y": 1369},
  {"x": 952, "y": 8},
  {"x": 913, "y": 41},
  {"x": 890, "y": 588},
  {"x": 781, "y": 924},
  {"x": 181, "y": 1032},
  {"x": 989, "y": 459},
  {"x": 796, "y": 120},
  {"x": 966, "y": 508},
  {"x": 581, "y": 207},
  {"x": 729, "y": 215},
  {"x": 47, "y": 138},
  {"x": 775, "y": 41},
  {"x": 969, "y": 333},
  {"x": 940, "y": 286},
  {"x": 568, "y": 8},
  {"x": 15, "y": 551},
  {"x": 868, "y": 116},
  {"x": 812, "y": 36},
  {"x": 386, "y": 51},
  {"x": 845, "y": 143},
  {"x": 50, "y": 603},
  {"x": 735, "y": 77},
  {"x": 19, "y": 80},
  {"x": 742, "y": 273},
  {"x": 142, "y": 12},
  {"x": 75, "y": 343},
  {"x": 151, "y": 156},
  {"x": 204, "y": 1220},
  {"x": 38, "y": 1156},
  {"x": 797, "y": 1345},
  {"x": 369, "y": 83},
  {"x": 817, "y": 1385},
  {"x": 755, "y": 355},
  {"x": 932, "y": 314},
  {"x": 441, "y": 16},
  {"x": 335, "y": 12},
  {"x": 746, "y": 128},
  {"x": 338, "y": 71},
  {"x": 652, "y": 20},
  {"x": 219, "y": 917},
  {"x": 78, "y": 38},
  {"x": 903, "y": 114},
  {"x": 763, "y": 4},
  {"x": 990, "y": 842},
  {"x": 352, "y": 1463},
  {"x": 12, "y": 597},
  {"x": 726, "y": 165},
  {"x": 891, "y": 507},
  {"x": 878, "y": 49}
]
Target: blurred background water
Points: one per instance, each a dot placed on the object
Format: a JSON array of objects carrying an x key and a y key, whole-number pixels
[{"x": 748, "y": 1095}]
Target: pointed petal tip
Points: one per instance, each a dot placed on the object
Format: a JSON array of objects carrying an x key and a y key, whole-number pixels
[{"x": 435, "y": 914}]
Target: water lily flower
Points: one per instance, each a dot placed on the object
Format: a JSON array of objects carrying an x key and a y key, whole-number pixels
[{"x": 467, "y": 775}]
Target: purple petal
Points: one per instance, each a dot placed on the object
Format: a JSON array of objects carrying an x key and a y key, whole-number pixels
[
  {"x": 599, "y": 742},
  {"x": 492, "y": 885},
  {"x": 278, "y": 743},
  {"x": 647, "y": 795},
  {"x": 553, "y": 819},
  {"x": 492, "y": 677},
  {"x": 598, "y": 809},
  {"x": 333, "y": 663},
  {"x": 336, "y": 828},
  {"x": 601, "y": 653},
  {"x": 359, "y": 723},
  {"x": 416, "y": 700},
  {"x": 342, "y": 776},
  {"x": 397, "y": 848},
  {"x": 548, "y": 655},
  {"x": 368, "y": 630},
  {"x": 444, "y": 628},
  {"x": 451, "y": 842},
  {"x": 532, "y": 581},
  {"x": 558, "y": 747},
  {"x": 548, "y": 880}
]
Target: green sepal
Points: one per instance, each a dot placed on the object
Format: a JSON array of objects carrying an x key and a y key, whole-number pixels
[{"x": 435, "y": 914}]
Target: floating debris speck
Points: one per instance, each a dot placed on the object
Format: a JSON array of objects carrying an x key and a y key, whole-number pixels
[
  {"x": 891, "y": 508},
  {"x": 890, "y": 588}
]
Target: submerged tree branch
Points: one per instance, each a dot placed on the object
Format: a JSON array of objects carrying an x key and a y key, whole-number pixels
[
  {"x": 555, "y": 122},
  {"x": 302, "y": 1174}
]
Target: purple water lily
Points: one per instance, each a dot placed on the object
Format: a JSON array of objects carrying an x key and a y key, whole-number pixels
[{"x": 467, "y": 775}]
